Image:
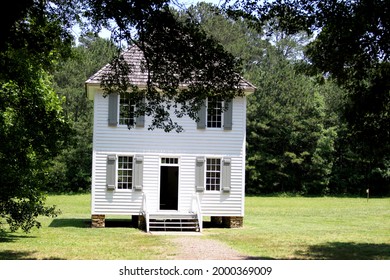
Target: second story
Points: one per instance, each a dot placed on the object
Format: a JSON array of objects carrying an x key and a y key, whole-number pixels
[{"x": 220, "y": 128}]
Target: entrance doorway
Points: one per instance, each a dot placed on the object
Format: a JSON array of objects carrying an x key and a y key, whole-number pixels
[{"x": 169, "y": 187}]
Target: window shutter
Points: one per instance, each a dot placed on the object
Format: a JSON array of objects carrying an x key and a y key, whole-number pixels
[
  {"x": 111, "y": 172},
  {"x": 113, "y": 109},
  {"x": 199, "y": 174},
  {"x": 138, "y": 172},
  {"x": 226, "y": 174},
  {"x": 228, "y": 116},
  {"x": 202, "y": 117},
  {"x": 140, "y": 120}
]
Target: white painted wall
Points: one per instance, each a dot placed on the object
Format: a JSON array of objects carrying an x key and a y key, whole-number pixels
[{"x": 155, "y": 144}]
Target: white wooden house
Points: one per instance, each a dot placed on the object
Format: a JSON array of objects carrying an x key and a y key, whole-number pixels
[{"x": 164, "y": 178}]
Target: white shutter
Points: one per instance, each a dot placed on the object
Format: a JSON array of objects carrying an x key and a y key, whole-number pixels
[
  {"x": 138, "y": 172},
  {"x": 226, "y": 174},
  {"x": 113, "y": 109},
  {"x": 228, "y": 116},
  {"x": 199, "y": 174},
  {"x": 140, "y": 120},
  {"x": 201, "y": 124},
  {"x": 111, "y": 172}
]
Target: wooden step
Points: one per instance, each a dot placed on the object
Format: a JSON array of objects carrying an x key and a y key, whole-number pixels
[{"x": 173, "y": 221}]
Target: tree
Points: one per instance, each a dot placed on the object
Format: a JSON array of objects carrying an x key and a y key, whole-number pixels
[
  {"x": 351, "y": 47},
  {"x": 35, "y": 35},
  {"x": 289, "y": 146},
  {"x": 176, "y": 52},
  {"x": 32, "y": 126},
  {"x": 290, "y": 140},
  {"x": 71, "y": 170},
  {"x": 32, "y": 129}
]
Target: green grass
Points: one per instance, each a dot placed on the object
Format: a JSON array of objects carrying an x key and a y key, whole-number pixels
[
  {"x": 312, "y": 228},
  {"x": 274, "y": 228}
]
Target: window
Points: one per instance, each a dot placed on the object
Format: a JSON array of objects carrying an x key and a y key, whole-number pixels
[
  {"x": 213, "y": 174},
  {"x": 214, "y": 112},
  {"x": 169, "y": 161},
  {"x": 126, "y": 110},
  {"x": 125, "y": 172}
]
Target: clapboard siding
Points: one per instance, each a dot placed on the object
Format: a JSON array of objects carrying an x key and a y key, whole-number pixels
[
  {"x": 129, "y": 202},
  {"x": 191, "y": 140},
  {"x": 153, "y": 145}
]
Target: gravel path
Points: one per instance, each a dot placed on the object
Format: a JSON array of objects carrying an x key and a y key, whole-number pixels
[{"x": 197, "y": 248}]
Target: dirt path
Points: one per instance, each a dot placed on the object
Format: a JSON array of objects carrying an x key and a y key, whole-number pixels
[{"x": 197, "y": 248}]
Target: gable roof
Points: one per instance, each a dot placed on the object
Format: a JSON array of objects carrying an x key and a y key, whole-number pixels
[{"x": 138, "y": 76}]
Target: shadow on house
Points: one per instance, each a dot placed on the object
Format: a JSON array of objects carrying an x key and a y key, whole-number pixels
[{"x": 347, "y": 251}]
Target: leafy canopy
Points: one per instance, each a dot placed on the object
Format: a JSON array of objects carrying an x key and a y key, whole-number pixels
[
  {"x": 177, "y": 52},
  {"x": 352, "y": 48},
  {"x": 36, "y": 35}
]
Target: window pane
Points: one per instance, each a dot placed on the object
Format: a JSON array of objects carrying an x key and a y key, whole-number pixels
[
  {"x": 169, "y": 160},
  {"x": 126, "y": 110},
  {"x": 214, "y": 112},
  {"x": 213, "y": 174},
  {"x": 125, "y": 172}
]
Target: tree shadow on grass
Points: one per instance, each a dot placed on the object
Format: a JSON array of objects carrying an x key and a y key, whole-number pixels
[
  {"x": 21, "y": 255},
  {"x": 15, "y": 255},
  {"x": 8, "y": 237},
  {"x": 77, "y": 223},
  {"x": 85, "y": 223},
  {"x": 12, "y": 237},
  {"x": 347, "y": 251}
]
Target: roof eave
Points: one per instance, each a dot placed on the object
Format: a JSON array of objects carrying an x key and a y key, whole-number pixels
[{"x": 91, "y": 88}]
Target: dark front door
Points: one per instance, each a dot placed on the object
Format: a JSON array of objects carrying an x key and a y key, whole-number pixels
[{"x": 169, "y": 187}]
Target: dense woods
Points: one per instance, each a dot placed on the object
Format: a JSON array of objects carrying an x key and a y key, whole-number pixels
[
  {"x": 298, "y": 139},
  {"x": 318, "y": 123}
]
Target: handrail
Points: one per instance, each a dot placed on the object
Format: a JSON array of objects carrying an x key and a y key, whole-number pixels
[
  {"x": 197, "y": 209},
  {"x": 145, "y": 211}
]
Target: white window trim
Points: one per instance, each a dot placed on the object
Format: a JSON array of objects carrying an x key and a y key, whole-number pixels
[
  {"x": 117, "y": 173},
  {"x": 220, "y": 178},
  {"x": 119, "y": 113},
  {"x": 222, "y": 116}
]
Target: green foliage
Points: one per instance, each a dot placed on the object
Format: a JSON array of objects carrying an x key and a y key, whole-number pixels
[
  {"x": 71, "y": 170},
  {"x": 305, "y": 135},
  {"x": 37, "y": 35},
  {"x": 350, "y": 48},
  {"x": 32, "y": 129},
  {"x": 176, "y": 52},
  {"x": 290, "y": 147}
]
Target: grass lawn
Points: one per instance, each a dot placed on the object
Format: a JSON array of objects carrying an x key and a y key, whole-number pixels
[{"x": 274, "y": 228}]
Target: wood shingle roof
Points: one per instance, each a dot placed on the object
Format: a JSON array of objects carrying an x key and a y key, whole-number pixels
[{"x": 139, "y": 76}]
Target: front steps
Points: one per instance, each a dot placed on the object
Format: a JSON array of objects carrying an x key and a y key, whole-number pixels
[{"x": 173, "y": 222}]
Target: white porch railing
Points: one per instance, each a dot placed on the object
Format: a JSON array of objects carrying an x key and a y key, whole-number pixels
[
  {"x": 145, "y": 211},
  {"x": 196, "y": 208}
]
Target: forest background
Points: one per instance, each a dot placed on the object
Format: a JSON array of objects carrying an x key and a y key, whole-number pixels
[
  {"x": 298, "y": 140},
  {"x": 318, "y": 123}
]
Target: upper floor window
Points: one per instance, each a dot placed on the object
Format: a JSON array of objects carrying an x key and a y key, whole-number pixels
[
  {"x": 214, "y": 112},
  {"x": 126, "y": 110}
]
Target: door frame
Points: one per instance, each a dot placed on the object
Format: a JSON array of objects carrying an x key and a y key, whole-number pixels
[{"x": 174, "y": 162}]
